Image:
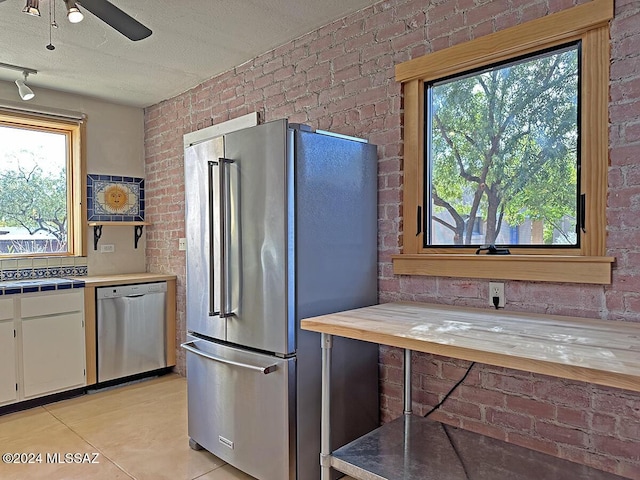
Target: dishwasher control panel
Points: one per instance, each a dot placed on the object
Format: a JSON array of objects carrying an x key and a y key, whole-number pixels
[{"x": 130, "y": 290}]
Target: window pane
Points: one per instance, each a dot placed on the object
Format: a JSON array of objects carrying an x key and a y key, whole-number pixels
[
  {"x": 33, "y": 191},
  {"x": 503, "y": 154}
]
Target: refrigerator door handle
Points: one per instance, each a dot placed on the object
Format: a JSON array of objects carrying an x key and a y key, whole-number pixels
[
  {"x": 224, "y": 208},
  {"x": 191, "y": 347},
  {"x": 212, "y": 253}
]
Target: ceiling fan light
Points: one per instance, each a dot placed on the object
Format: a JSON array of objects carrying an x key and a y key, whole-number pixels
[
  {"x": 32, "y": 8},
  {"x": 73, "y": 12},
  {"x": 25, "y": 92},
  {"x": 75, "y": 15}
]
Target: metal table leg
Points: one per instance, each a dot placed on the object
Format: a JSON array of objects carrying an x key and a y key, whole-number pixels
[
  {"x": 325, "y": 419},
  {"x": 407, "y": 382}
]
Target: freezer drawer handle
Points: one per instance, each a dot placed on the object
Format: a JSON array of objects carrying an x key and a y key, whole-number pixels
[{"x": 191, "y": 346}]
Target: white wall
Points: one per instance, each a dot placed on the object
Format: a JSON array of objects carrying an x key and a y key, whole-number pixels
[{"x": 114, "y": 146}]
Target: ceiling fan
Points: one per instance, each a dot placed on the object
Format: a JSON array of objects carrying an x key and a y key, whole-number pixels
[{"x": 105, "y": 11}]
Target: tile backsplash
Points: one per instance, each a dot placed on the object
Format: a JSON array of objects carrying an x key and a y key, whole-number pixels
[{"x": 45, "y": 267}]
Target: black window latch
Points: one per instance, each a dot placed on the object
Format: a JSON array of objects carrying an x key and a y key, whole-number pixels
[{"x": 493, "y": 250}]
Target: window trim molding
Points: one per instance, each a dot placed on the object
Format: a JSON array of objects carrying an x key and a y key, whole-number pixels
[
  {"x": 589, "y": 23},
  {"x": 75, "y": 129}
]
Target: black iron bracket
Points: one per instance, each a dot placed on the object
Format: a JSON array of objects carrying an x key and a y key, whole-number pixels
[
  {"x": 97, "y": 233},
  {"x": 137, "y": 234}
]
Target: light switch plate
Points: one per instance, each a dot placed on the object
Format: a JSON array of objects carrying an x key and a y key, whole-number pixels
[{"x": 107, "y": 248}]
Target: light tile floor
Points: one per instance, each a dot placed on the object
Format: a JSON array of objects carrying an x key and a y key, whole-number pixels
[{"x": 139, "y": 431}]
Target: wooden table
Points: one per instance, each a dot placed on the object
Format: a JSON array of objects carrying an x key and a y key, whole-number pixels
[{"x": 595, "y": 351}]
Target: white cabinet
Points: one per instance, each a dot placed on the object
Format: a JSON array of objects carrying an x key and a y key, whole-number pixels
[
  {"x": 53, "y": 356},
  {"x": 42, "y": 344},
  {"x": 8, "y": 367}
]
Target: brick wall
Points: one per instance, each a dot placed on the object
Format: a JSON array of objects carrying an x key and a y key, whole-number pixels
[{"x": 340, "y": 78}]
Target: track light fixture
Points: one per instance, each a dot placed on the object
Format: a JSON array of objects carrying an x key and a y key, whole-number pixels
[
  {"x": 25, "y": 92},
  {"x": 73, "y": 12},
  {"x": 32, "y": 8}
]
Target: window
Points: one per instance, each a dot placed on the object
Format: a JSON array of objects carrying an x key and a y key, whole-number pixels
[
  {"x": 503, "y": 151},
  {"x": 553, "y": 234},
  {"x": 41, "y": 175}
]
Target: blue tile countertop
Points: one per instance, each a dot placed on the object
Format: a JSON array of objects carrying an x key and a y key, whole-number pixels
[{"x": 38, "y": 285}]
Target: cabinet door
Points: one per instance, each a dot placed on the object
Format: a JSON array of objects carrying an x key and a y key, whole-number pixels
[
  {"x": 8, "y": 391},
  {"x": 53, "y": 353}
]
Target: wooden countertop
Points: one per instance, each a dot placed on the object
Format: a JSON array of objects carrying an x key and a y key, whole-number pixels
[
  {"x": 595, "y": 351},
  {"x": 124, "y": 279}
]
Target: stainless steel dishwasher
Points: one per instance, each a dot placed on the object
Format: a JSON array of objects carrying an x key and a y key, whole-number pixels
[{"x": 131, "y": 329}]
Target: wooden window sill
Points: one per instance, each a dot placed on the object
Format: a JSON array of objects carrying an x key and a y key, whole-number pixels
[{"x": 541, "y": 268}]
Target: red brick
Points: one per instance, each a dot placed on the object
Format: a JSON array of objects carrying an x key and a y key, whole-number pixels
[
  {"x": 630, "y": 428},
  {"x": 348, "y": 31},
  {"x": 332, "y": 53},
  {"x": 507, "y": 383},
  {"x": 462, "y": 409},
  {"x": 320, "y": 44},
  {"x": 561, "y": 434},
  {"x": 381, "y": 18},
  {"x": 532, "y": 12},
  {"x": 616, "y": 447},
  {"x": 425, "y": 364},
  {"x": 562, "y": 393},
  {"x": 347, "y": 74},
  {"x": 532, "y": 407},
  {"x": 440, "y": 11},
  {"x": 390, "y": 31},
  {"x": 573, "y": 417},
  {"x": 481, "y": 396},
  {"x": 509, "y": 420}
]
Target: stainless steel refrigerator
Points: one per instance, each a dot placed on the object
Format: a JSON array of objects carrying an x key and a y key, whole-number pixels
[{"x": 281, "y": 225}]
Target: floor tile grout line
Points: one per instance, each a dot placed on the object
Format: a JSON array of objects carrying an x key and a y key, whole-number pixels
[
  {"x": 79, "y": 435},
  {"x": 207, "y": 473}
]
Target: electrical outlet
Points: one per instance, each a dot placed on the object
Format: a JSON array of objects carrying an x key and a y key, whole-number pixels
[
  {"x": 182, "y": 244},
  {"x": 496, "y": 289},
  {"x": 107, "y": 248}
]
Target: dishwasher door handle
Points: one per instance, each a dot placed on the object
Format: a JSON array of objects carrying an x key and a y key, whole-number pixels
[
  {"x": 135, "y": 296},
  {"x": 191, "y": 346}
]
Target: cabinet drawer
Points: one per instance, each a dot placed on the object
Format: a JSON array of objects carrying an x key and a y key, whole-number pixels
[
  {"x": 52, "y": 304},
  {"x": 240, "y": 414},
  {"x": 6, "y": 308}
]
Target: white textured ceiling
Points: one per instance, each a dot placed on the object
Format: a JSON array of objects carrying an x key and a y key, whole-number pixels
[{"x": 192, "y": 40}]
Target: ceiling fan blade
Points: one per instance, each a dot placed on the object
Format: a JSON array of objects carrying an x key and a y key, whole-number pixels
[{"x": 116, "y": 18}]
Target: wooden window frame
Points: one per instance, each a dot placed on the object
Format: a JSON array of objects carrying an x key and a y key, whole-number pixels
[
  {"x": 75, "y": 132},
  {"x": 588, "y": 23}
]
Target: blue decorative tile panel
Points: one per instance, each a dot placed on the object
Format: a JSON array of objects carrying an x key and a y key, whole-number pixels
[{"x": 112, "y": 198}]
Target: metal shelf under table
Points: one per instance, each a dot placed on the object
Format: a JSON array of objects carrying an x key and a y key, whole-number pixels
[
  {"x": 416, "y": 448},
  {"x": 406, "y": 448}
]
